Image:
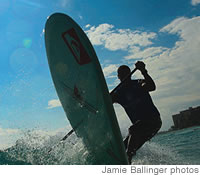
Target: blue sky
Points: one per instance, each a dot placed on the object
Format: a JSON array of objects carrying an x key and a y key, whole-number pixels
[{"x": 163, "y": 34}]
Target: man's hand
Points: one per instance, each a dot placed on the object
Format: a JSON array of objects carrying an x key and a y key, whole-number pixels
[
  {"x": 148, "y": 84},
  {"x": 141, "y": 66}
]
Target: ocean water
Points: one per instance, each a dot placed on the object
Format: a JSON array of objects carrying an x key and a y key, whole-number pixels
[{"x": 172, "y": 148}]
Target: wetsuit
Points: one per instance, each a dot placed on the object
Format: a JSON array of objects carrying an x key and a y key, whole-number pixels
[{"x": 142, "y": 112}]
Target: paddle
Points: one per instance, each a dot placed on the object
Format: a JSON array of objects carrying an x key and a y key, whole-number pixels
[
  {"x": 122, "y": 82},
  {"x": 119, "y": 85},
  {"x": 66, "y": 136}
]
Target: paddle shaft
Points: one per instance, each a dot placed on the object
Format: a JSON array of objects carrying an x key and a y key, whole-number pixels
[
  {"x": 66, "y": 136},
  {"x": 119, "y": 85},
  {"x": 122, "y": 82}
]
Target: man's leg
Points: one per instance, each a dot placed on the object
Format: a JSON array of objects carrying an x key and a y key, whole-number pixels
[
  {"x": 126, "y": 141},
  {"x": 126, "y": 144},
  {"x": 135, "y": 142},
  {"x": 139, "y": 134},
  {"x": 130, "y": 142}
]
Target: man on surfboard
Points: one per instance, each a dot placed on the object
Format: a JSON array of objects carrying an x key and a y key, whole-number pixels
[{"x": 134, "y": 97}]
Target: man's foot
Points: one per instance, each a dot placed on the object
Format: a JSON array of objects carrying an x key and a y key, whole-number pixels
[{"x": 130, "y": 156}]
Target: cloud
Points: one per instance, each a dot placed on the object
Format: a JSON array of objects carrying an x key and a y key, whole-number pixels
[
  {"x": 118, "y": 39},
  {"x": 137, "y": 53},
  {"x": 87, "y": 26},
  {"x": 64, "y": 3},
  {"x": 8, "y": 137},
  {"x": 136, "y": 43},
  {"x": 8, "y": 131},
  {"x": 80, "y": 16},
  {"x": 195, "y": 2},
  {"x": 53, "y": 104},
  {"x": 32, "y": 4},
  {"x": 108, "y": 70}
]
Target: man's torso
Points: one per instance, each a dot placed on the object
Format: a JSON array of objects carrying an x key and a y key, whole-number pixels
[{"x": 136, "y": 101}]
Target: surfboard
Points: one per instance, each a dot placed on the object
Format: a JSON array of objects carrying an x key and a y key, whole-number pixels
[{"x": 82, "y": 90}]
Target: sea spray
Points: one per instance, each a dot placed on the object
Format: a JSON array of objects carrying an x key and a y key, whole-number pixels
[
  {"x": 153, "y": 153},
  {"x": 172, "y": 148},
  {"x": 34, "y": 147}
]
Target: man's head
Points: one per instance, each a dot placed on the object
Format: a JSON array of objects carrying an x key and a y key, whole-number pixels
[{"x": 123, "y": 71}]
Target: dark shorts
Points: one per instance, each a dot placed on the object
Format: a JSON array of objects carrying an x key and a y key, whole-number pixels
[
  {"x": 140, "y": 132},
  {"x": 145, "y": 129}
]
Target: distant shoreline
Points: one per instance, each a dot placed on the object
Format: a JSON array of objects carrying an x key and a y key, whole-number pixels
[{"x": 171, "y": 130}]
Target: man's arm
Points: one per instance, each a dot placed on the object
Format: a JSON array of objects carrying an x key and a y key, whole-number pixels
[
  {"x": 148, "y": 83},
  {"x": 113, "y": 97}
]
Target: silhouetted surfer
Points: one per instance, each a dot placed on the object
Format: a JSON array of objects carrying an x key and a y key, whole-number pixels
[{"x": 134, "y": 96}]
